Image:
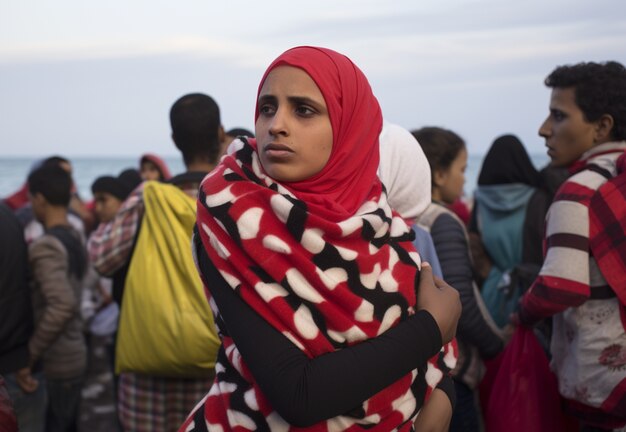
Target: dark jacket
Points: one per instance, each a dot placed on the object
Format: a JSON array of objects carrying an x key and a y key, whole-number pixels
[
  {"x": 58, "y": 273},
  {"x": 534, "y": 223},
  {"x": 453, "y": 251},
  {"x": 16, "y": 316}
]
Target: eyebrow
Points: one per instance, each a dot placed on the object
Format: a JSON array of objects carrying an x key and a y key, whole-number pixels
[
  {"x": 303, "y": 100},
  {"x": 267, "y": 98},
  {"x": 296, "y": 100}
]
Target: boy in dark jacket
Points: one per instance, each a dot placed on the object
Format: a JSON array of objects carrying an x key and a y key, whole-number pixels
[{"x": 58, "y": 260}]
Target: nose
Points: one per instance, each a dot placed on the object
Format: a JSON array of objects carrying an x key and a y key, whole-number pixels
[
  {"x": 279, "y": 123},
  {"x": 545, "y": 128}
]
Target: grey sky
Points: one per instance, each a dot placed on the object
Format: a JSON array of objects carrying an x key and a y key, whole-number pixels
[{"x": 85, "y": 78}]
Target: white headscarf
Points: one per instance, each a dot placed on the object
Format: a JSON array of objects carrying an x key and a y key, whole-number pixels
[{"x": 404, "y": 170}]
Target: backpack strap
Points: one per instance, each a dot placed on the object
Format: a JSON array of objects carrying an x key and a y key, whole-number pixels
[{"x": 432, "y": 212}]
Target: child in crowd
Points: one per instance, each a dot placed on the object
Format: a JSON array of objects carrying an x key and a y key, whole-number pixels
[
  {"x": 78, "y": 215},
  {"x": 152, "y": 167},
  {"x": 110, "y": 192},
  {"x": 58, "y": 261},
  {"x": 478, "y": 336}
]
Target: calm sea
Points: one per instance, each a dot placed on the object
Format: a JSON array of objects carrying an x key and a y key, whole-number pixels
[{"x": 13, "y": 171}]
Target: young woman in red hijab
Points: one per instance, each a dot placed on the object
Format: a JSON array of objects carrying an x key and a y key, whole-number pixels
[
  {"x": 152, "y": 167},
  {"x": 311, "y": 276}
]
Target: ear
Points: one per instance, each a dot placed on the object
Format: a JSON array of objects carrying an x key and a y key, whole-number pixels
[
  {"x": 439, "y": 177},
  {"x": 37, "y": 199},
  {"x": 174, "y": 139},
  {"x": 221, "y": 134},
  {"x": 604, "y": 129}
]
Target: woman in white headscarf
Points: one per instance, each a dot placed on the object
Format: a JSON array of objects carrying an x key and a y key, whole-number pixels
[{"x": 405, "y": 172}]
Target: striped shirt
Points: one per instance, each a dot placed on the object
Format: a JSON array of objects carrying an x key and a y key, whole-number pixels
[
  {"x": 569, "y": 272},
  {"x": 588, "y": 333}
]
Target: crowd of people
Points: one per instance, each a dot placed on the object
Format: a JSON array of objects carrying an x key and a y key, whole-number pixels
[{"x": 324, "y": 272}]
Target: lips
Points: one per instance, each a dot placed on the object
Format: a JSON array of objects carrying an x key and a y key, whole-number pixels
[
  {"x": 278, "y": 152},
  {"x": 277, "y": 148}
]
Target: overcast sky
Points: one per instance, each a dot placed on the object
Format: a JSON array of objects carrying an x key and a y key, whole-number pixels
[{"x": 98, "y": 78}]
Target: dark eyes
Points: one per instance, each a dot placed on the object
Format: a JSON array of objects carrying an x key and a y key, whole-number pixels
[
  {"x": 558, "y": 115},
  {"x": 300, "y": 110},
  {"x": 304, "y": 110},
  {"x": 267, "y": 109}
]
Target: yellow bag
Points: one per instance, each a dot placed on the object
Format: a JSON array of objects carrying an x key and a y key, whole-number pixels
[{"x": 166, "y": 326}]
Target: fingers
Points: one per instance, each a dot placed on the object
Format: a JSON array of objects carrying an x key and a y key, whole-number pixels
[
  {"x": 440, "y": 283},
  {"x": 30, "y": 385},
  {"x": 426, "y": 274},
  {"x": 26, "y": 381}
]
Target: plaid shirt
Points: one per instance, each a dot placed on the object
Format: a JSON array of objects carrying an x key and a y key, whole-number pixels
[
  {"x": 111, "y": 244},
  {"x": 564, "y": 280},
  {"x": 145, "y": 403},
  {"x": 158, "y": 404},
  {"x": 607, "y": 231}
]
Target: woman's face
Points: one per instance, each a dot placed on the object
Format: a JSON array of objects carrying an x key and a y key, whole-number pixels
[
  {"x": 149, "y": 171},
  {"x": 449, "y": 183},
  {"x": 293, "y": 131},
  {"x": 106, "y": 206}
]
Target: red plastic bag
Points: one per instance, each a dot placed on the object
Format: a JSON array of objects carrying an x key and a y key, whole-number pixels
[
  {"x": 525, "y": 394},
  {"x": 8, "y": 422}
]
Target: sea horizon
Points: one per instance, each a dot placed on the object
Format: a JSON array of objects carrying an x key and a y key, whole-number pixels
[{"x": 14, "y": 169}]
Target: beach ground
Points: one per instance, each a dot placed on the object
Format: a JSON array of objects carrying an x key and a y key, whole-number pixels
[{"x": 98, "y": 413}]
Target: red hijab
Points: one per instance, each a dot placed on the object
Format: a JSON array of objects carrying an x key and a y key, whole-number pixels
[
  {"x": 356, "y": 121},
  {"x": 159, "y": 163}
]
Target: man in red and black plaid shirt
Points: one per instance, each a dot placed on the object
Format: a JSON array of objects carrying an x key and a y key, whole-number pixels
[{"x": 585, "y": 131}]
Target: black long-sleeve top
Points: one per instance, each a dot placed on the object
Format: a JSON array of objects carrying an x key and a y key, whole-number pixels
[
  {"x": 452, "y": 249},
  {"x": 306, "y": 391},
  {"x": 16, "y": 315}
]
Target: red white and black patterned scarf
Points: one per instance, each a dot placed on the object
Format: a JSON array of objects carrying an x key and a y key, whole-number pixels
[{"x": 326, "y": 266}]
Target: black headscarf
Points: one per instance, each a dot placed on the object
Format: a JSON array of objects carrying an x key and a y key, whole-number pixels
[{"x": 508, "y": 162}]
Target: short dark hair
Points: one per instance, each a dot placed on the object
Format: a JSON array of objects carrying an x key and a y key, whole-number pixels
[
  {"x": 55, "y": 161},
  {"x": 236, "y": 132},
  {"x": 195, "y": 121},
  {"x": 599, "y": 88},
  {"x": 53, "y": 182},
  {"x": 441, "y": 147}
]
